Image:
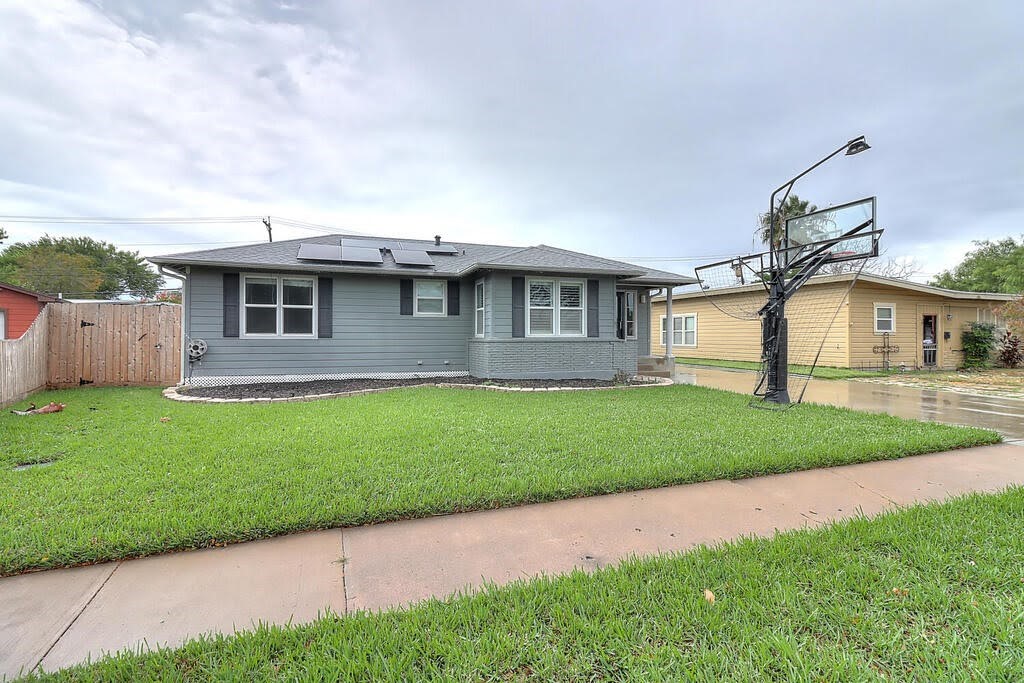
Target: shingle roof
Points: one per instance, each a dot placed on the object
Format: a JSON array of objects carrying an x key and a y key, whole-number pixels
[
  {"x": 469, "y": 258},
  {"x": 43, "y": 298}
]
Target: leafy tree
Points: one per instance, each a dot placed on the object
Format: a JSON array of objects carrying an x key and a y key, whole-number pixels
[
  {"x": 990, "y": 267},
  {"x": 46, "y": 270},
  {"x": 167, "y": 296},
  {"x": 791, "y": 208},
  {"x": 895, "y": 268},
  {"x": 3, "y": 234},
  {"x": 119, "y": 271}
]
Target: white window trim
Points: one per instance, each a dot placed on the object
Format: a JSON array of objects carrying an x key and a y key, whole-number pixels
[
  {"x": 682, "y": 330},
  {"x": 479, "y": 320},
  {"x": 416, "y": 299},
  {"x": 279, "y": 306},
  {"x": 556, "y": 307},
  {"x": 892, "y": 318},
  {"x": 636, "y": 312},
  {"x": 694, "y": 344}
]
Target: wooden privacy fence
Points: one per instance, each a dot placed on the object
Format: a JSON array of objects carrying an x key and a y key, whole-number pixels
[
  {"x": 114, "y": 344},
  {"x": 23, "y": 362}
]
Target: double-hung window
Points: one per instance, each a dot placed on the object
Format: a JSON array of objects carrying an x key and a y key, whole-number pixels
[
  {"x": 570, "y": 308},
  {"x": 684, "y": 330},
  {"x": 431, "y": 297},
  {"x": 556, "y": 307},
  {"x": 478, "y": 318},
  {"x": 276, "y": 305},
  {"x": 885, "y": 316}
]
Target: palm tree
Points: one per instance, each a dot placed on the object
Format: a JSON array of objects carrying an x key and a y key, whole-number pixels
[{"x": 791, "y": 208}]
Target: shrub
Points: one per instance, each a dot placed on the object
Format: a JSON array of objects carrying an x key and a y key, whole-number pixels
[
  {"x": 1010, "y": 353},
  {"x": 978, "y": 342}
]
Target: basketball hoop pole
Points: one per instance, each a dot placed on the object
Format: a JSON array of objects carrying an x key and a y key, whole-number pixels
[{"x": 774, "y": 331}]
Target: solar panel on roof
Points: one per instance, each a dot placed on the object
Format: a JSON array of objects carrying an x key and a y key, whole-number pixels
[
  {"x": 442, "y": 249},
  {"x": 370, "y": 243},
  {"x": 412, "y": 257},
  {"x": 360, "y": 254},
  {"x": 319, "y": 252}
]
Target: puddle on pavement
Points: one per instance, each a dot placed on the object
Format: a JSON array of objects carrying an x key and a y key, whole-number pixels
[{"x": 1004, "y": 415}]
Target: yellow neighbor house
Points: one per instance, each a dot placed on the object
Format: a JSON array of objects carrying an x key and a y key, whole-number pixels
[{"x": 846, "y": 323}]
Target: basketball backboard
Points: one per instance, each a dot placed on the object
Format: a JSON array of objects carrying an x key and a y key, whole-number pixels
[{"x": 853, "y": 221}]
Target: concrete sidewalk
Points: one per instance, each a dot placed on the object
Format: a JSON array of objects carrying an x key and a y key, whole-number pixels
[{"x": 58, "y": 618}]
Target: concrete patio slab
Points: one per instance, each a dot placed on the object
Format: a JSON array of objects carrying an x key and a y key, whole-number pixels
[
  {"x": 35, "y": 609},
  {"x": 167, "y": 599}
]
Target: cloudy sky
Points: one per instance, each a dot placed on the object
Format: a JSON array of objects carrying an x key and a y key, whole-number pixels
[{"x": 619, "y": 128}]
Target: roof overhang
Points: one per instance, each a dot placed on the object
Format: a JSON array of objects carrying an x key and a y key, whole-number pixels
[
  {"x": 301, "y": 267},
  {"x": 658, "y": 281},
  {"x": 863, "y": 277}
]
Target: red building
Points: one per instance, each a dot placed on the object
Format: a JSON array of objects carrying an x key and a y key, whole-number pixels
[{"x": 18, "y": 309}]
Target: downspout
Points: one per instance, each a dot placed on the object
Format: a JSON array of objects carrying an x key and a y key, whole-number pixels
[{"x": 168, "y": 272}]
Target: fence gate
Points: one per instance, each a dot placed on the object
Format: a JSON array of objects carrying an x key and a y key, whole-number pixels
[{"x": 114, "y": 344}]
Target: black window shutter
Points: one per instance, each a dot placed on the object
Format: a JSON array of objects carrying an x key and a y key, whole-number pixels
[
  {"x": 405, "y": 297},
  {"x": 325, "y": 308},
  {"x": 453, "y": 297},
  {"x": 230, "y": 304},
  {"x": 593, "y": 308},
  {"x": 519, "y": 307}
]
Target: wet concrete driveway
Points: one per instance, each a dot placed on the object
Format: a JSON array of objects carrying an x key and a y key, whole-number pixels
[{"x": 1005, "y": 415}]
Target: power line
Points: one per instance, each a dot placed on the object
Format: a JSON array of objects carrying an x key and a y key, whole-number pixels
[{"x": 116, "y": 220}]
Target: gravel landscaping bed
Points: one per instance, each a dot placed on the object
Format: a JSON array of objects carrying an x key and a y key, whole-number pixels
[{"x": 340, "y": 386}]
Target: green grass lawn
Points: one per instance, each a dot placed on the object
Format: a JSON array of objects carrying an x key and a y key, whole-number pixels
[
  {"x": 924, "y": 594},
  {"x": 820, "y": 372},
  {"x": 125, "y": 483}
]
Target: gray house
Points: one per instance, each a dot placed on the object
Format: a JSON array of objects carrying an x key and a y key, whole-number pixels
[{"x": 338, "y": 306}]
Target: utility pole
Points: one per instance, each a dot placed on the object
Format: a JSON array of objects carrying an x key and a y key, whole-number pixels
[{"x": 270, "y": 234}]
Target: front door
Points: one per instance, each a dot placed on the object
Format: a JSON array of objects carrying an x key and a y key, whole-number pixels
[
  {"x": 625, "y": 314},
  {"x": 929, "y": 340}
]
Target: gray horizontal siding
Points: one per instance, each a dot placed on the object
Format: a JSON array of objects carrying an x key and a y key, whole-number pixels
[{"x": 369, "y": 333}]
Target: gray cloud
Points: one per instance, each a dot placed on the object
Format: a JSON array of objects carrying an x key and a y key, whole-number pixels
[{"x": 640, "y": 129}]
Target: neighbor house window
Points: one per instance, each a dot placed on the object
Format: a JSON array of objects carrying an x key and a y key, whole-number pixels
[
  {"x": 279, "y": 305},
  {"x": 430, "y": 297},
  {"x": 556, "y": 307},
  {"x": 478, "y": 320},
  {"x": 684, "y": 330},
  {"x": 884, "y": 318},
  {"x": 690, "y": 330}
]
